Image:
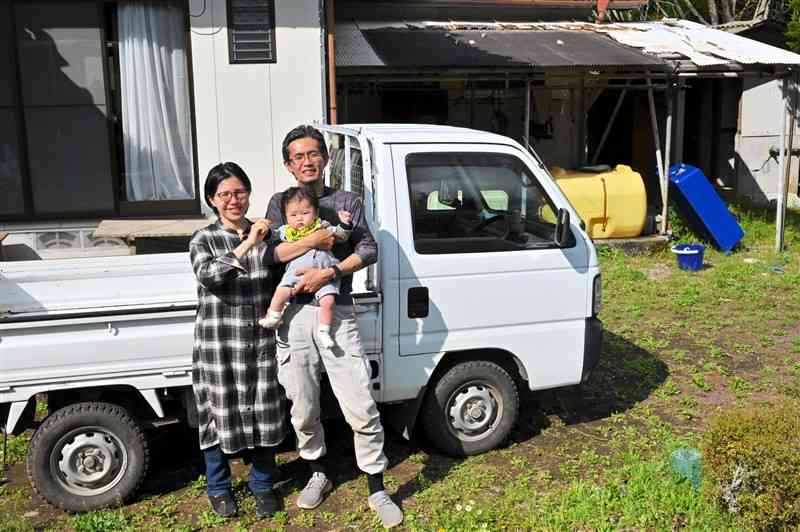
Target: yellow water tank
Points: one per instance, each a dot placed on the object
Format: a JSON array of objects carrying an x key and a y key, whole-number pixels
[{"x": 613, "y": 203}]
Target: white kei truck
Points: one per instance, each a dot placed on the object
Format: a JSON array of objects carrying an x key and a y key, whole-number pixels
[{"x": 485, "y": 283}]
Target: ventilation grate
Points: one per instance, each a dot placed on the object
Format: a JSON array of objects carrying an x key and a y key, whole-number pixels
[{"x": 251, "y": 31}]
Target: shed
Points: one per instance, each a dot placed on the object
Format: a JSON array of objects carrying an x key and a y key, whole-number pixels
[{"x": 558, "y": 86}]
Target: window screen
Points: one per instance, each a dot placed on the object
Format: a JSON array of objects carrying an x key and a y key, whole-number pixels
[{"x": 251, "y": 31}]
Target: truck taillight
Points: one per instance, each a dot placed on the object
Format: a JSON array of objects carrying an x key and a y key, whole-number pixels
[{"x": 597, "y": 295}]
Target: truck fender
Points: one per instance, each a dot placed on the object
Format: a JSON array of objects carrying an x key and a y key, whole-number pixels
[
  {"x": 152, "y": 399},
  {"x": 15, "y": 413}
]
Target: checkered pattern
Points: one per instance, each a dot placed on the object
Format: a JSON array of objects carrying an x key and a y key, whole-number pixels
[{"x": 234, "y": 372}]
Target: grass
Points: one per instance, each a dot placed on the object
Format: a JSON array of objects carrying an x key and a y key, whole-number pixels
[{"x": 678, "y": 347}]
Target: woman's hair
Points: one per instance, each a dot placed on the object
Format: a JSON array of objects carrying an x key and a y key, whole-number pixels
[
  {"x": 220, "y": 173},
  {"x": 302, "y": 132},
  {"x": 299, "y": 194}
]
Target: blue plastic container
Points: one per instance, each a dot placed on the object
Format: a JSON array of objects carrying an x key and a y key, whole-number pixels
[
  {"x": 690, "y": 256},
  {"x": 703, "y": 207}
]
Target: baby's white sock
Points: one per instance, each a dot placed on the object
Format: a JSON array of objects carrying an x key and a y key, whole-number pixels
[
  {"x": 324, "y": 334},
  {"x": 272, "y": 320}
]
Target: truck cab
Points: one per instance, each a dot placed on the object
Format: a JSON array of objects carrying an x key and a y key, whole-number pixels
[
  {"x": 485, "y": 284},
  {"x": 485, "y": 277}
]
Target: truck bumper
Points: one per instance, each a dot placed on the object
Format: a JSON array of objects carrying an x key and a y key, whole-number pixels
[{"x": 592, "y": 345}]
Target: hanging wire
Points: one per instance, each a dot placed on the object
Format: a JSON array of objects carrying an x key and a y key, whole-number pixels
[{"x": 202, "y": 12}]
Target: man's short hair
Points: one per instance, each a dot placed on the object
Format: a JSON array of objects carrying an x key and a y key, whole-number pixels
[{"x": 302, "y": 132}]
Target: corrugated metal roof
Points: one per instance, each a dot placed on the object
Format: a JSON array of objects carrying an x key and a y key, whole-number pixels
[
  {"x": 578, "y": 45},
  {"x": 352, "y": 49},
  {"x": 700, "y": 44},
  {"x": 404, "y": 48}
]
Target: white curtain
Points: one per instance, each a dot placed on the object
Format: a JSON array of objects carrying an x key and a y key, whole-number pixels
[{"x": 156, "y": 121}]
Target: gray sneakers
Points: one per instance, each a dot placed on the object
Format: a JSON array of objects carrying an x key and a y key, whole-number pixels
[
  {"x": 387, "y": 510},
  {"x": 314, "y": 493}
]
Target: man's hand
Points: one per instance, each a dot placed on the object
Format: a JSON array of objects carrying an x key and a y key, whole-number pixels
[
  {"x": 312, "y": 279},
  {"x": 345, "y": 217},
  {"x": 322, "y": 239}
]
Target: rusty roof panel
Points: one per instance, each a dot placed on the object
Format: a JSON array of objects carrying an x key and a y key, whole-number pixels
[{"x": 407, "y": 48}]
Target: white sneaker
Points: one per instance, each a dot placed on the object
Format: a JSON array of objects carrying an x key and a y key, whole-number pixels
[
  {"x": 272, "y": 320},
  {"x": 391, "y": 515},
  {"x": 314, "y": 493}
]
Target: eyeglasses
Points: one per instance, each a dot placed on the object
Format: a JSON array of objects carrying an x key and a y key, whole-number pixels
[
  {"x": 226, "y": 195},
  {"x": 312, "y": 156}
]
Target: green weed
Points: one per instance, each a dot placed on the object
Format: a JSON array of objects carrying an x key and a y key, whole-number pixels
[{"x": 102, "y": 521}]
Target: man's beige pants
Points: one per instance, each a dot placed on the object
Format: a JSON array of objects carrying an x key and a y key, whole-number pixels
[{"x": 300, "y": 362}]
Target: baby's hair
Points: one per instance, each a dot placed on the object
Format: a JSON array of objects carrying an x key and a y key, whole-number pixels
[{"x": 299, "y": 194}]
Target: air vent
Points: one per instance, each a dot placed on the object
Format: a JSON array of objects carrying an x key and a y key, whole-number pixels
[{"x": 251, "y": 31}]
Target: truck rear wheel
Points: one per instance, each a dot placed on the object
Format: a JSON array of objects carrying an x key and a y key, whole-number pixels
[
  {"x": 87, "y": 456},
  {"x": 471, "y": 408}
]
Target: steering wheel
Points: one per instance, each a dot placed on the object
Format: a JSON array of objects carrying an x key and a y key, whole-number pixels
[{"x": 490, "y": 220}]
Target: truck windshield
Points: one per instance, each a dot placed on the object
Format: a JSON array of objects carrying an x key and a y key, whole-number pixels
[{"x": 471, "y": 202}]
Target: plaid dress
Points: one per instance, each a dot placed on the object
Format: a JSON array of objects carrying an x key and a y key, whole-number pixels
[{"x": 240, "y": 404}]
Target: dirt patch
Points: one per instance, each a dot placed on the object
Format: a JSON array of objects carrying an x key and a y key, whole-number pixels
[{"x": 660, "y": 272}]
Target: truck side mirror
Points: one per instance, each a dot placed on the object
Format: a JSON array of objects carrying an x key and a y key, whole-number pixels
[{"x": 562, "y": 232}]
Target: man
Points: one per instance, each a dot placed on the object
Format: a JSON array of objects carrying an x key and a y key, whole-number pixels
[{"x": 299, "y": 356}]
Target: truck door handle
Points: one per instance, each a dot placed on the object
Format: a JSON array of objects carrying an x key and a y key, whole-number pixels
[{"x": 418, "y": 302}]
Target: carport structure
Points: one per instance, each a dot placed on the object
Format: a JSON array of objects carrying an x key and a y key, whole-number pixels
[{"x": 539, "y": 82}]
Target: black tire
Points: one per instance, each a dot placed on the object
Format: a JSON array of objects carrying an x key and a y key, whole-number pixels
[
  {"x": 87, "y": 456},
  {"x": 491, "y": 396}
]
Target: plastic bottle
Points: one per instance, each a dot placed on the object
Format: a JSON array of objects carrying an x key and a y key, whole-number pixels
[{"x": 687, "y": 464}]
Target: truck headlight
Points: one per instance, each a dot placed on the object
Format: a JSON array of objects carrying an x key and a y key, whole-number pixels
[{"x": 597, "y": 295}]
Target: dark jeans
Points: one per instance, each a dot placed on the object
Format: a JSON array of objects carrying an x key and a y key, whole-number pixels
[{"x": 218, "y": 471}]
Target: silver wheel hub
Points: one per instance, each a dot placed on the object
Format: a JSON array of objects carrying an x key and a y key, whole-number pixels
[
  {"x": 89, "y": 461},
  {"x": 474, "y": 410}
]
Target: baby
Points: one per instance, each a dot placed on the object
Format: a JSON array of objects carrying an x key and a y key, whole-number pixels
[{"x": 300, "y": 207}]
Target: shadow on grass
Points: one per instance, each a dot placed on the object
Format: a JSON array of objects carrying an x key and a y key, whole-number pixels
[
  {"x": 625, "y": 375},
  {"x": 175, "y": 460}
]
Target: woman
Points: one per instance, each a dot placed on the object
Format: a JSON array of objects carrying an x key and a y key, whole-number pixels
[{"x": 240, "y": 404}]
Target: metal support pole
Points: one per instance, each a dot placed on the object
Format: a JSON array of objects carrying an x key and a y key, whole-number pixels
[
  {"x": 657, "y": 142},
  {"x": 610, "y": 124},
  {"x": 780, "y": 216},
  {"x": 471, "y": 104},
  {"x": 667, "y": 150},
  {"x": 680, "y": 122},
  {"x": 330, "y": 26},
  {"x": 526, "y": 127},
  {"x": 580, "y": 120},
  {"x": 347, "y": 165}
]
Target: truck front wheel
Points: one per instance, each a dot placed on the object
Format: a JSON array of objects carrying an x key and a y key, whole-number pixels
[
  {"x": 87, "y": 456},
  {"x": 471, "y": 409}
]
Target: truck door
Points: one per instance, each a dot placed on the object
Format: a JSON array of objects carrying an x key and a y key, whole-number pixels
[
  {"x": 478, "y": 268},
  {"x": 350, "y": 168}
]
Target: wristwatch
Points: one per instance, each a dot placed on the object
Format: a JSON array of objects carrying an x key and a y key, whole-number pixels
[{"x": 337, "y": 273}]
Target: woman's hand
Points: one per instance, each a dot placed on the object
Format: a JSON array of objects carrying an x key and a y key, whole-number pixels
[
  {"x": 321, "y": 239},
  {"x": 258, "y": 231}
]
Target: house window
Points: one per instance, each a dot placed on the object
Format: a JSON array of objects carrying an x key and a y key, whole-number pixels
[
  {"x": 95, "y": 114},
  {"x": 251, "y": 31}
]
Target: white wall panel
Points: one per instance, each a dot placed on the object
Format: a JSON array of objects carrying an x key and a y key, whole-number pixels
[
  {"x": 296, "y": 80},
  {"x": 242, "y": 111}
]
